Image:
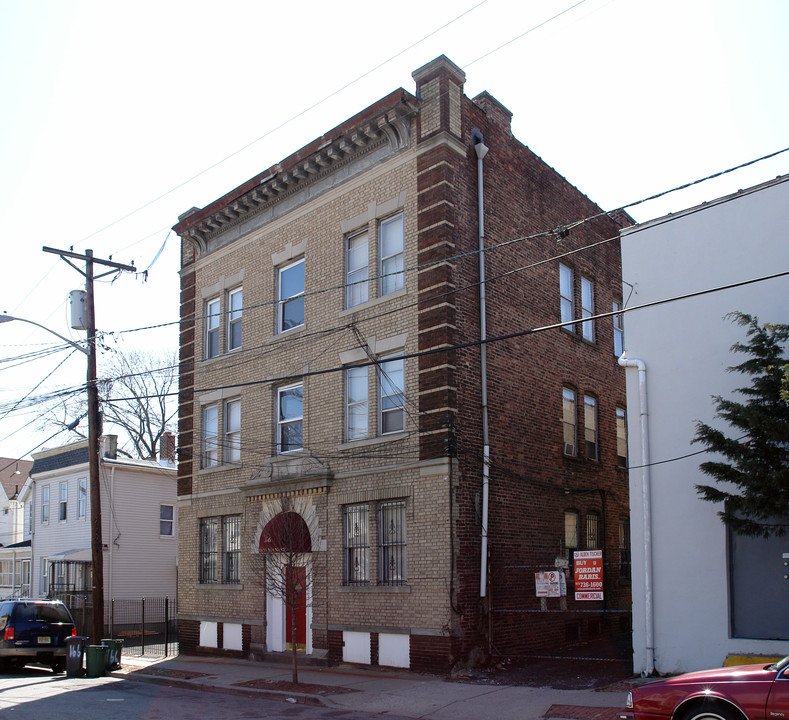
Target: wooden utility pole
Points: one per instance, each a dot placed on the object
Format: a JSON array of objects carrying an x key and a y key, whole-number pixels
[{"x": 94, "y": 430}]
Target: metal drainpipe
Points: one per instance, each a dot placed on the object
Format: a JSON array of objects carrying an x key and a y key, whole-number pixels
[
  {"x": 481, "y": 150},
  {"x": 649, "y": 618}
]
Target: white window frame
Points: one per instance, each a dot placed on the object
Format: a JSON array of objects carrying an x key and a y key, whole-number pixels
[
  {"x": 63, "y": 501},
  {"x": 619, "y": 329},
  {"x": 591, "y": 425},
  {"x": 569, "y": 421},
  {"x": 566, "y": 296},
  {"x": 166, "y": 522},
  {"x": 45, "y": 504},
  {"x": 232, "y": 428},
  {"x": 284, "y": 301},
  {"x": 391, "y": 262},
  {"x": 213, "y": 316},
  {"x": 621, "y": 437},
  {"x": 283, "y": 421},
  {"x": 388, "y": 392},
  {"x": 357, "y": 288},
  {"x": 210, "y": 436},
  {"x": 235, "y": 305},
  {"x": 82, "y": 498},
  {"x": 357, "y": 407},
  {"x": 587, "y": 309}
]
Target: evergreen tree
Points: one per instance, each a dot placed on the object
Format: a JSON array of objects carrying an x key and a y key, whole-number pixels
[{"x": 753, "y": 480}]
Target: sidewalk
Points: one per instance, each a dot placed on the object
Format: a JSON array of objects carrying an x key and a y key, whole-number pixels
[{"x": 398, "y": 693}]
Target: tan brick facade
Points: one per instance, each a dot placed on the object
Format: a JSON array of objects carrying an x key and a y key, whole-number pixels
[{"x": 406, "y": 156}]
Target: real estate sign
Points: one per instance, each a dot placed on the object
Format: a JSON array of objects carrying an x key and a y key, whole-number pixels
[{"x": 588, "y": 574}]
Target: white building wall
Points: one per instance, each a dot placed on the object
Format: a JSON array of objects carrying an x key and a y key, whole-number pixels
[{"x": 686, "y": 348}]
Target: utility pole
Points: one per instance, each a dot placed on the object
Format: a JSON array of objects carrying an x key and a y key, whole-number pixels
[{"x": 94, "y": 429}]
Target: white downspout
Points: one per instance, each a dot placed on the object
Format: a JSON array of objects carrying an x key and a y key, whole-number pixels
[
  {"x": 481, "y": 150},
  {"x": 649, "y": 618},
  {"x": 110, "y": 538}
]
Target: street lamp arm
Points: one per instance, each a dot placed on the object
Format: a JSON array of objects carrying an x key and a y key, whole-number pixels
[{"x": 9, "y": 318}]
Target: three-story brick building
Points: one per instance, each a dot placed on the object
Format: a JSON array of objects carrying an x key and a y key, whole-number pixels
[{"x": 332, "y": 357}]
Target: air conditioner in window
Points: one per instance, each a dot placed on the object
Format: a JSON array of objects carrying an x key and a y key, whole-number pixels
[{"x": 569, "y": 449}]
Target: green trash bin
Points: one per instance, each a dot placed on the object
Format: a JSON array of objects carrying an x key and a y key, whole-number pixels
[
  {"x": 96, "y": 660},
  {"x": 114, "y": 647}
]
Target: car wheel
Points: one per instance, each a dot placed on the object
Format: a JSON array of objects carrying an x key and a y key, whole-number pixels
[
  {"x": 712, "y": 711},
  {"x": 58, "y": 666}
]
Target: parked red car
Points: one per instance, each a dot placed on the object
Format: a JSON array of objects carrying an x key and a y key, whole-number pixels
[{"x": 744, "y": 692}]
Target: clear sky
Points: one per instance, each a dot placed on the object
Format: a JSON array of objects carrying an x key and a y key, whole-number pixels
[{"x": 118, "y": 117}]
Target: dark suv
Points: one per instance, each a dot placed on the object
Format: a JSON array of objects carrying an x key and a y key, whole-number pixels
[{"x": 35, "y": 631}]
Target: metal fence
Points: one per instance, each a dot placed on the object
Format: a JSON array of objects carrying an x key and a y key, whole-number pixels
[{"x": 148, "y": 626}]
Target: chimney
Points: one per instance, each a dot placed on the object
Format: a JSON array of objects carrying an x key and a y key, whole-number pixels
[
  {"x": 167, "y": 448},
  {"x": 109, "y": 447}
]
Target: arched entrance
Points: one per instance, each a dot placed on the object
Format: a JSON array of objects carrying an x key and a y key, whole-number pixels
[{"x": 287, "y": 542}]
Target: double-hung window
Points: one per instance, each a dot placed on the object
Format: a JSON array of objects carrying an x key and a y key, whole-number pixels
[
  {"x": 45, "y": 504},
  {"x": 621, "y": 437},
  {"x": 391, "y": 543},
  {"x": 290, "y": 418},
  {"x": 232, "y": 431},
  {"x": 210, "y": 436},
  {"x": 619, "y": 330},
  {"x": 566, "y": 302},
  {"x": 166, "y": 520},
  {"x": 357, "y": 290},
  {"x": 571, "y": 518},
  {"x": 356, "y": 403},
  {"x": 356, "y": 545},
  {"x": 212, "y": 318},
  {"x": 391, "y": 389},
  {"x": 290, "y": 299},
  {"x": 82, "y": 498},
  {"x": 569, "y": 421},
  {"x": 63, "y": 504},
  {"x": 220, "y": 549},
  {"x": 590, "y": 428},
  {"x": 235, "y": 304},
  {"x": 392, "y": 255},
  {"x": 587, "y": 309}
]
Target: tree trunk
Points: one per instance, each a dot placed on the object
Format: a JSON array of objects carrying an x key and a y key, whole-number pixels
[{"x": 293, "y": 645}]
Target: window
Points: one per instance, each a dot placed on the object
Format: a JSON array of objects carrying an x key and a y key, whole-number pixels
[
  {"x": 356, "y": 403},
  {"x": 220, "y": 549},
  {"x": 392, "y": 264},
  {"x": 624, "y": 548},
  {"x": 592, "y": 531},
  {"x": 63, "y": 504},
  {"x": 235, "y": 303},
  {"x": 290, "y": 302},
  {"x": 621, "y": 438},
  {"x": 6, "y": 572},
  {"x": 391, "y": 388},
  {"x": 210, "y": 436},
  {"x": 289, "y": 418},
  {"x": 356, "y": 545},
  {"x": 166, "y": 517},
  {"x": 587, "y": 309},
  {"x": 570, "y": 541},
  {"x": 568, "y": 421},
  {"x": 567, "y": 304},
  {"x": 45, "y": 504},
  {"x": 82, "y": 498},
  {"x": 232, "y": 431},
  {"x": 590, "y": 428},
  {"x": 212, "y": 328},
  {"x": 619, "y": 330},
  {"x": 391, "y": 543},
  {"x": 356, "y": 270}
]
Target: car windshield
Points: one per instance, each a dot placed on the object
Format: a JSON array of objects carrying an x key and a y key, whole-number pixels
[{"x": 43, "y": 612}]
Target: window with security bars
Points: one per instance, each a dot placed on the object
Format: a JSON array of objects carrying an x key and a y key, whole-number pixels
[
  {"x": 624, "y": 549},
  {"x": 592, "y": 531},
  {"x": 356, "y": 545},
  {"x": 392, "y": 543},
  {"x": 220, "y": 550}
]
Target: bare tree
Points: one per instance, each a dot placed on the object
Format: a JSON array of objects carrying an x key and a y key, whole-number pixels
[
  {"x": 286, "y": 546},
  {"x": 138, "y": 394}
]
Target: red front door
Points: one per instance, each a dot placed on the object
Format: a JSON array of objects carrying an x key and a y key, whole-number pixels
[{"x": 296, "y": 601}]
